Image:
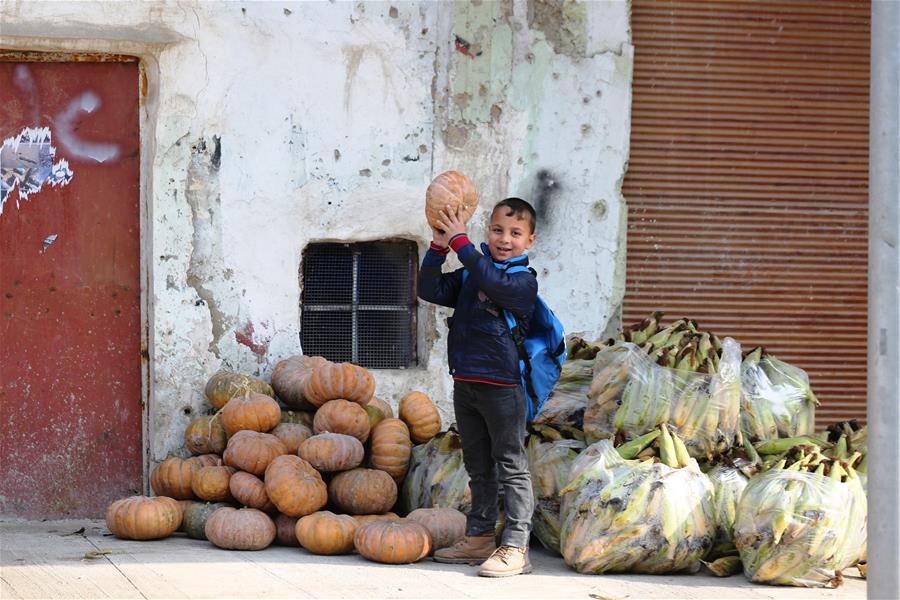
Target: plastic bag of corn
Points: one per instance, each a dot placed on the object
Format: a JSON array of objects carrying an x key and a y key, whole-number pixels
[
  {"x": 567, "y": 401},
  {"x": 801, "y": 528},
  {"x": 549, "y": 462},
  {"x": 728, "y": 484},
  {"x": 631, "y": 394},
  {"x": 437, "y": 477},
  {"x": 635, "y": 516},
  {"x": 776, "y": 398}
]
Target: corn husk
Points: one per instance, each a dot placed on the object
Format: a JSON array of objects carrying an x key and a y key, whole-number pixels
[
  {"x": 437, "y": 477},
  {"x": 776, "y": 399}
]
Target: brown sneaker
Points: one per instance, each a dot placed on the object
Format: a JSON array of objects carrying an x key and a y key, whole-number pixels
[
  {"x": 506, "y": 561},
  {"x": 472, "y": 550}
]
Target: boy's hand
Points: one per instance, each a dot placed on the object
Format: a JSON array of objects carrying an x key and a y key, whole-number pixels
[
  {"x": 440, "y": 238},
  {"x": 452, "y": 221}
]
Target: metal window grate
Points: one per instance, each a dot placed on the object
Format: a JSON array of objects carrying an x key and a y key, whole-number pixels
[{"x": 358, "y": 303}]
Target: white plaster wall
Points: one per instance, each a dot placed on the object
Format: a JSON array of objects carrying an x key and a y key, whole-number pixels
[{"x": 269, "y": 125}]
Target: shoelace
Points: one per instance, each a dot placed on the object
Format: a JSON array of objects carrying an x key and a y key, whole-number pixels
[{"x": 504, "y": 553}]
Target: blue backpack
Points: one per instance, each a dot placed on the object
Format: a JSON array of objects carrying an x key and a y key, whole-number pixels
[{"x": 542, "y": 349}]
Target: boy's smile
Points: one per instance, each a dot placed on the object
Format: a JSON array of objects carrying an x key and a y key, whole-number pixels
[{"x": 509, "y": 236}]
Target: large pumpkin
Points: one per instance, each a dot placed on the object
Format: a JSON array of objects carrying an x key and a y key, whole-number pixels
[
  {"x": 143, "y": 518},
  {"x": 363, "y": 491},
  {"x": 240, "y": 529},
  {"x": 225, "y": 385},
  {"x": 211, "y": 483},
  {"x": 195, "y": 517},
  {"x": 205, "y": 435},
  {"x": 295, "y": 487},
  {"x": 249, "y": 490},
  {"x": 392, "y": 542},
  {"x": 341, "y": 416},
  {"x": 391, "y": 448},
  {"x": 289, "y": 379},
  {"x": 332, "y": 452},
  {"x": 324, "y": 532},
  {"x": 292, "y": 435},
  {"x": 445, "y": 525},
  {"x": 419, "y": 412},
  {"x": 388, "y": 516},
  {"x": 173, "y": 476},
  {"x": 450, "y": 190},
  {"x": 256, "y": 412},
  {"x": 252, "y": 451},
  {"x": 286, "y": 530},
  {"x": 340, "y": 380}
]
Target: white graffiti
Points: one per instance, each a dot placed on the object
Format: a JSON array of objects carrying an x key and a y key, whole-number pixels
[
  {"x": 87, "y": 102},
  {"x": 26, "y": 162},
  {"x": 23, "y": 80}
]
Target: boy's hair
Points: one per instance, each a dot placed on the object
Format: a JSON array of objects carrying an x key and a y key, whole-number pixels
[{"x": 520, "y": 208}]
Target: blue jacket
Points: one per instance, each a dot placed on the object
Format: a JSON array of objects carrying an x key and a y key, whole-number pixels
[{"x": 480, "y": 345}]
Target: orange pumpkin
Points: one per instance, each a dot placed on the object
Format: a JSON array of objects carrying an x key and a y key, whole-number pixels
[
  {"x": 172, "y": 477},
  {"x": 391, "y": 448},
  {"x": 249, "y": 490},
  {"x": 332, "y": 452},
  {"x": 240, "y": 529},
  {"x": 295, "y": 487},
  {"x": 388, "y": 516},
  {"x": 252, "y": 451},
  {"x": 292, "y": 435},
  {"x": 143, "y": 518},
  {"x": 419, "y": 412},
  {"x": 450, "y": 190},
  {"x": 211, "y": 483},
  {"x": 205, "y": 435},
  {"x": 363, "y": 491},
  {"x": 392, "y": 542},
  {"x": 289, "y": 379},
  {"x": 339, "y": 380},
  {"x": 324, "y": 532},
  {"x": 286, "y": 530},
  {"x": 383, "y": 406},
  {"x": 225, "y": 385},
  {"x": 341, "y": 416},
  {"x": 445, "y": 525},
  {"x": 252, "y": 411}
]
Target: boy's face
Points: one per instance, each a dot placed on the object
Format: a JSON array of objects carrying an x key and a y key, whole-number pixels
[{"x": 509, "y": 236}]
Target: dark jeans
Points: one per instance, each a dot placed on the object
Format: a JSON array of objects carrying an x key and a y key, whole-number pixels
[{"x": 491, "y": 423}]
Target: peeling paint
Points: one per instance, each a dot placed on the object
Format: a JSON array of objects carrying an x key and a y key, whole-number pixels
[
  {"x": 26, "y": 164},
  {"x": 245, "y": 336}
]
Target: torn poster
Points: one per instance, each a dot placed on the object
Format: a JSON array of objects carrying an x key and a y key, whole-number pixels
[
  {"x": 26, "y": 161},
  {"x": 48, "y": 240}
]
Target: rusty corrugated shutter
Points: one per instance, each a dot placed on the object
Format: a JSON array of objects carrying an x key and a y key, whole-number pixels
[{"x": 747, "y": 185}]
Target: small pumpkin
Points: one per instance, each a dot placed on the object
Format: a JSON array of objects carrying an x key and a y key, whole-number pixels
[
  {"x": 205, "y": 435},
  {"x": 286, "y": 530},
  {"x": 339, "y": 380},
  {"x": 341, "y": 416},
  {"x": 332, "y": 452},
  {"x": 256, "y": 412},
  {"x": 383, "y": 406},
  {"x": 183, "y": 506},
  {"x": 391, "y": 448},
  {"x": 388, "y": 516},
  {"x": 292, "y": 435},
  {"x": 450, "y": 190},
  {"x": 375, "y": 415},
  {"x": 240, "y": 529},
  {"x": 294, "y": 486},
  {"x": 301, "y": 417},
  {"x": 419, "y": 412},
  {"x": 363, "y": 491},
  {"x": 195, "y": 517},
  {"x": 172, "y": 477},
  {"x": 392, "y": 542},
  {"x": 249, "y": 490},
  {"x": 225, "y": 385},
  {"x": 445, "y": 525},
  {"x": 252, "y": 451},
  {"x": 143, "y": 518},
  {"x": 289, "y": 379},
  {"x": 211, "y": 483},
  {"x": 324, "y": 532}
]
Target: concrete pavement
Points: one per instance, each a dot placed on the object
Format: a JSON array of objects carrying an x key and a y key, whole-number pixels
[{"x": 68, "y": 559}]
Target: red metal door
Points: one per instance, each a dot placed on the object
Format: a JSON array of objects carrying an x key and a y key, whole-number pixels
[{"x": 70, "y": 293}]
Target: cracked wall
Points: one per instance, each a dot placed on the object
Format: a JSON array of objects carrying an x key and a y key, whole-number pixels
[{"x": 273, "y": 126}]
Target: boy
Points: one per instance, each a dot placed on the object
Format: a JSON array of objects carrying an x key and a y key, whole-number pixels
[{"x": 487, "y": 394}]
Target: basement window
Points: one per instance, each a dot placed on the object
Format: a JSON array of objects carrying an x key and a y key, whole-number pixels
[{"x": 358, "y": 303}]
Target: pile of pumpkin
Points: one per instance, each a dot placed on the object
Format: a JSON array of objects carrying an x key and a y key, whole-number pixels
[{"x": 261, "y": 472}]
